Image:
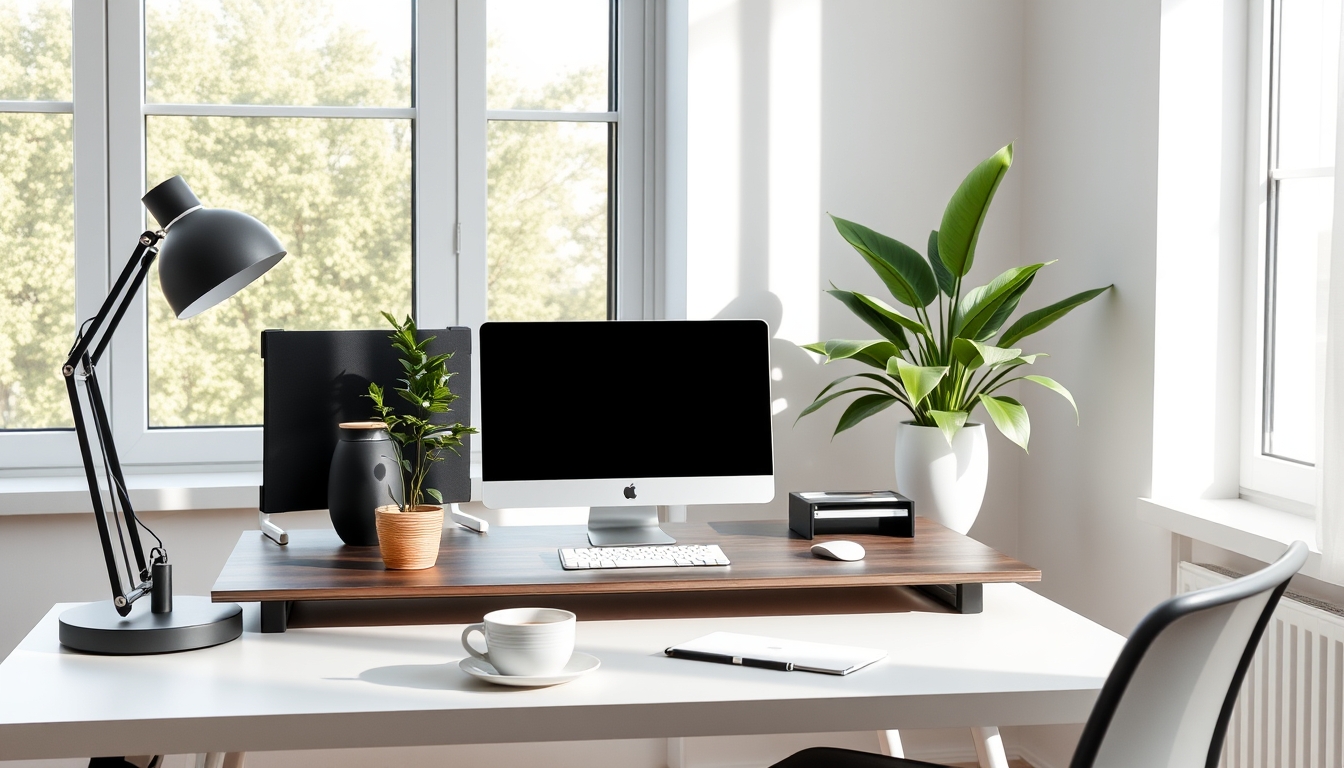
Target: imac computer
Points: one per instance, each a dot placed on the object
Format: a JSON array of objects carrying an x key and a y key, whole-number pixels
[{"x": 625, "y": 416}]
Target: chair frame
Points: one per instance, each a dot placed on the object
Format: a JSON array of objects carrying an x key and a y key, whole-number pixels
[{"x": 1273, "y": 577}]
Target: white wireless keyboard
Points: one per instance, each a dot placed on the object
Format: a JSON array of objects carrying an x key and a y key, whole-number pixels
[{"x": 663, "y": 556}]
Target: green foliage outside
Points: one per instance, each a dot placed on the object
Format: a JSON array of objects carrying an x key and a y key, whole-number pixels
[
  {"x": 37, "y": 239},
  {"x": 337, "y": 192},
  {"x": 546, "y": 206}
]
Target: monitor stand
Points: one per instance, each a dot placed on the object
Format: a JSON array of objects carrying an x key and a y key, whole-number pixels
[{"x": 625, "y": 527}]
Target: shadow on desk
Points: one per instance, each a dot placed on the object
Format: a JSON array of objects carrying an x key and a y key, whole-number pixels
[{"x": 610, "y": 607}]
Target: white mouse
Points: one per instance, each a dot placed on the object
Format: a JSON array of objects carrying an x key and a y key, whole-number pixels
[{"x": 839, "y": 550}]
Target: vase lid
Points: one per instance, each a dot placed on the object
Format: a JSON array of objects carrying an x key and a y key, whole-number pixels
[{"x": 362, "y": 425}]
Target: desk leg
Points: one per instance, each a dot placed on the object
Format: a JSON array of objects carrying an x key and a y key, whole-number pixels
[
  {"x": 275, "y": 616},
  {"x": 676, "y": 752},
  {"x": 889, "y": 743},
  {"x": 962, "y": 598},
  {"x": 220, "y": 759},
  {"x": 989, "y": 747}
]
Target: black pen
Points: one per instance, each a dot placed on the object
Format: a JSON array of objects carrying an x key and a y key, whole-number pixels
[{"x": 720, "y": 658}]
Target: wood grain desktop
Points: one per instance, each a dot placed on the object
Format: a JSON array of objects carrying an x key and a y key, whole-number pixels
[{"x": 522, "y": 561}]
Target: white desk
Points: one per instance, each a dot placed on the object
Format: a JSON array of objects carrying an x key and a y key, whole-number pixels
[{"x": 1023, "y": 661}]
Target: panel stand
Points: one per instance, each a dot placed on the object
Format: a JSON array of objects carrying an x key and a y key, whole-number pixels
[
  {"x": 962, "y": 598},
  {"x": 625, "y": 527},
  {"x": 273, "y": 532}
]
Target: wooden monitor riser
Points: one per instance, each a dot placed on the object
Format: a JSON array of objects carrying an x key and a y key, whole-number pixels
[{"x": 512, "y": 564}]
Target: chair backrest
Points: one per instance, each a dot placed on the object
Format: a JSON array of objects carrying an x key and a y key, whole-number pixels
[{"x": 1167, "y": 701}]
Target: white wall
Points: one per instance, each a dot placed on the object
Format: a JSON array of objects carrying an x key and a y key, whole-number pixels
[{"x": 1089, "y": 162}]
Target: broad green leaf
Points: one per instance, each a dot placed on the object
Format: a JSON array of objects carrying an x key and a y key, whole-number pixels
[
  {"x": 966, "y": 211},
  {"x": 974, "y": 354},
  {"x": 821, "y": 401},
  {"x": 947, "y": 283},
  {"x": 950, "y": 422},
  {"x": 1005, "y": 310},
  {"x": 890, "y": 312},
  {"x": 979, "y": 304},
  {"x": 1039, "y": 319},
  {"x": 1049, "y": 383},
  {"x": 1010, "y": 417},
  {"x": 875, "y": 319},
  {"x": 434, "y": 492},
  {"x": 884, "y": 381},
  {"x": 1031, "y": 359},
  {"x": 874, "y": 353},
  {"x": 861, "y": 409},
  {"x": 906, "y": 274},
  {"x": 919, "y": 380}
]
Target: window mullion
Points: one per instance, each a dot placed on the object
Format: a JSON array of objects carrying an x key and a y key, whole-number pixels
[
  {"x": 436, "y": 260},
  {"x": 125, "y": 185},
  {"x": 89, "y": 76}
]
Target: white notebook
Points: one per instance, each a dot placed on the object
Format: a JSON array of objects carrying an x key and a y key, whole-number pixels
[{"x": 734, "y": 648}]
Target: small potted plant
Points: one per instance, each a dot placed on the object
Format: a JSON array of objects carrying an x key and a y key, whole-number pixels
[{"x": 409, "y": 533}]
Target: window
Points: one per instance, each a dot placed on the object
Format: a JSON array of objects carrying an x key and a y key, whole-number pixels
[
  {"x": 1292, "y": 151},
  {"x": 37, "y": 239},
  {"x": 458, "y": 160},
  {"x": 332, "y": 178},
  {"x": 551, "y": 130}
]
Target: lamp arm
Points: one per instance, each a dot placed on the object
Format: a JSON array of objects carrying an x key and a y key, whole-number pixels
[
  {"x": 80, "y": 364},
  {"x": 137, "y": 266}
]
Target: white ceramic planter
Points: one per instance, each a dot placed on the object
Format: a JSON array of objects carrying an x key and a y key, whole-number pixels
[{"x": 946, "y": 482}]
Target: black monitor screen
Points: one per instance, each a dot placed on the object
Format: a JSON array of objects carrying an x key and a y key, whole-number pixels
[{"x": 625, "y": 399}]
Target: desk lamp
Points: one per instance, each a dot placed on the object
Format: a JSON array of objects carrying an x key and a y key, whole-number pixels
[{"x": 206, "y": 256}]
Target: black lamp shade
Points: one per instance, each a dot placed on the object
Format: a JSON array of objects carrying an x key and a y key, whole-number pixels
[{"x": 207, "y": 254}]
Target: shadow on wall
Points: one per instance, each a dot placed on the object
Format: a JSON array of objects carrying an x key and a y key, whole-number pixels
[{"x": 805, "y": 456}]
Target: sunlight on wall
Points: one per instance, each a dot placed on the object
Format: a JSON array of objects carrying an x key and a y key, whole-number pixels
[
  {"x": 795, "y": 164},
  {"x": 1196, "y": 252},
  {"x": 754, "y": 208},
  {"x": 714, "y": 128}
]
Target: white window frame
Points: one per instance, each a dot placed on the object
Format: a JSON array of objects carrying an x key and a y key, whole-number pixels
[
  {"x": 448, "y": 122},
  {"x": 1283, "y": 483},
  {"x": 27, "y": 452}
]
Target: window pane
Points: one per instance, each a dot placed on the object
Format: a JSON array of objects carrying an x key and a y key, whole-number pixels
[
  {"x": 35, "y": 50},
  {"x": 314, "y": 52},
  {"x": 546, "y": 242},
  {"x": 547, "y": 55},
  {"x": 1302, "y": 260},
  {"x": 37, "y": 260},
  {"x": 338, "y": 195},
  {"x": 1308, "y": 70}
]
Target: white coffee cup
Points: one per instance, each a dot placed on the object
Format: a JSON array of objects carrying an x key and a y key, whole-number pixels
[{"x": 524, "y": 641}]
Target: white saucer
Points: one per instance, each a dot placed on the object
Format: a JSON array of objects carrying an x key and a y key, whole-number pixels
[{"x": 579, "y": 664}]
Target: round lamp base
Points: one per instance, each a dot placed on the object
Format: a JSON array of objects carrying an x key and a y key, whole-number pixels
[{"x": 194, "y": 622}]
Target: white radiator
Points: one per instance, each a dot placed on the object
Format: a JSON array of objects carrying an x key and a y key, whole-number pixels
[{"x": 1290, "y": 713}]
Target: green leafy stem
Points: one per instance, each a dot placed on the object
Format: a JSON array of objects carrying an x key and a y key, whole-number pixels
[
  {"x": 941, "y": 370},
  {"x": 425, "y": 390}
]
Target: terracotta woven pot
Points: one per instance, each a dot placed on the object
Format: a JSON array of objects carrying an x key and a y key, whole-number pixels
[{"x": 409, "y": 540}]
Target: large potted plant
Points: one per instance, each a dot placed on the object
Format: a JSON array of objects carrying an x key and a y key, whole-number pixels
[
  {"x": 409, "y": 532},
  {"x": 944, "y": 361}
]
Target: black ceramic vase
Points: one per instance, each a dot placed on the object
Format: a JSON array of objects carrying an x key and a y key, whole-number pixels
[{"x": 363, "y": 476}]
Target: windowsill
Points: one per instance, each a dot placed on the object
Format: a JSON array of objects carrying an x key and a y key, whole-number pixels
[
  {"x": 1236, "y": 525},
  {"x": 149, "y": 492}
]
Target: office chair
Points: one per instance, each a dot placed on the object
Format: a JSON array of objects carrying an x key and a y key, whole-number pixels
[{"x": 1168, "y": 699}]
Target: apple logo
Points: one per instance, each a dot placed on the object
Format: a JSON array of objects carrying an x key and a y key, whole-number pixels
[{"x": 630, "y": 491}]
